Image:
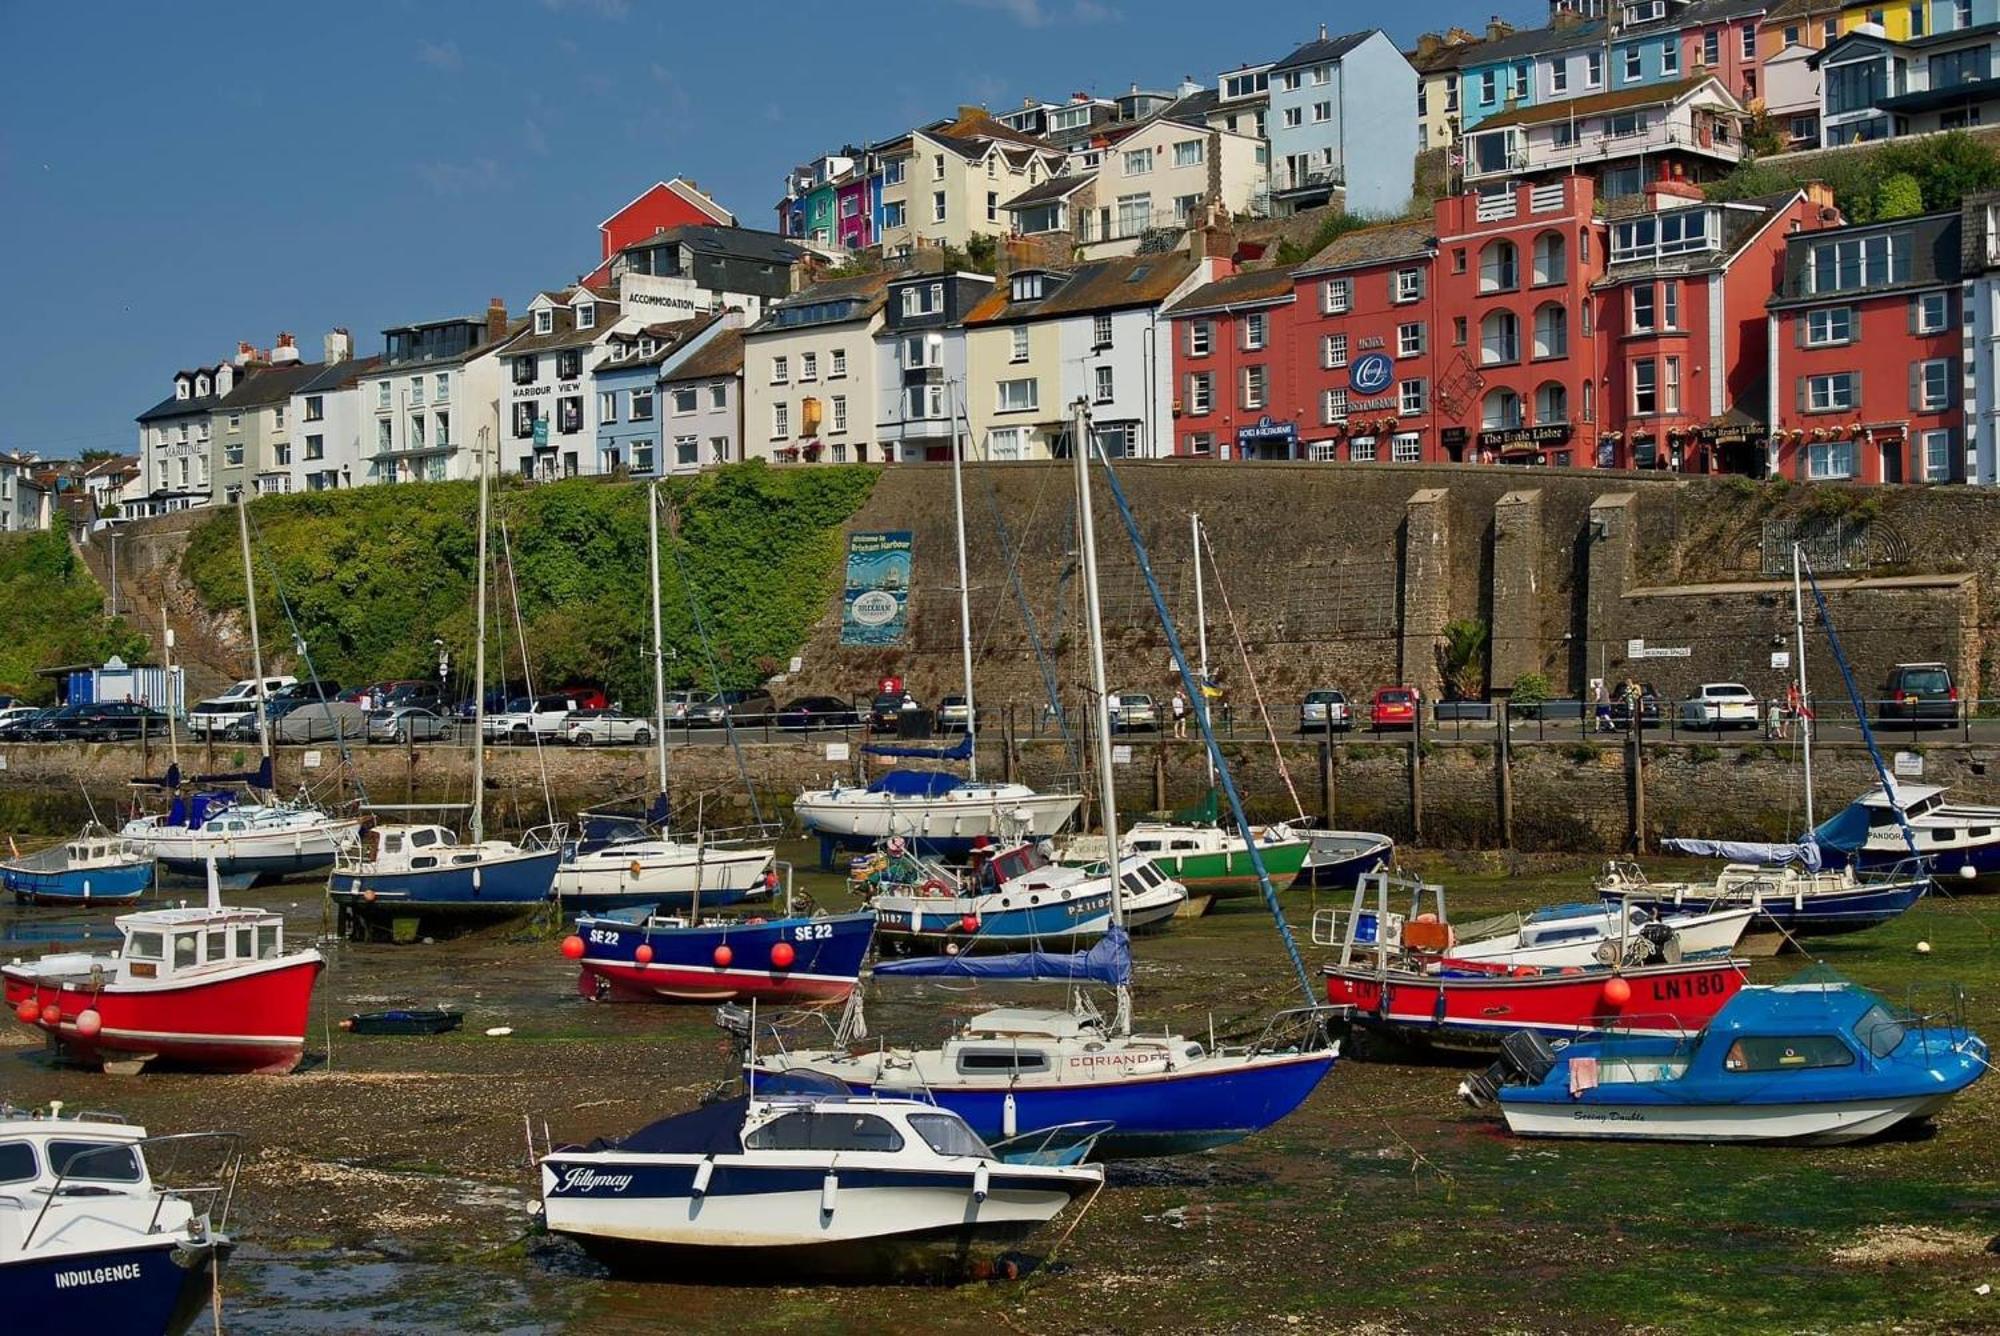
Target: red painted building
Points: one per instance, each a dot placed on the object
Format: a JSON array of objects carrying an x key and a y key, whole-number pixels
[
  {"x": 662, "y": 205},
  {"x": 1233, "y": 390},
  {"x": 1518, "y": 350},
  {"x": 1726, "y": 47},
  {"x": 1685, "y": 365},
  {"x": 1866, "y": 353}
]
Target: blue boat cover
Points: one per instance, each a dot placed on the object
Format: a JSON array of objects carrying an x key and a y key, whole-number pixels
[
  {"x": 1847, "y": 830},
  {"x": 916, "y": 783},
  {"x": 712, "y": 1129},
  {"x": 958, "y": 751},
  {"x": 1575, "y": 909},
  {"x": 1806, "y": 853},
  {"x": 1108, "y": 961}
]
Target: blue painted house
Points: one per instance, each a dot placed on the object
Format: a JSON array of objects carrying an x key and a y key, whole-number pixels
[
  {"x": 1577, "y": 58},
  {"x": 629, "y": 400},
  {"x": 1340, "y": 120}
]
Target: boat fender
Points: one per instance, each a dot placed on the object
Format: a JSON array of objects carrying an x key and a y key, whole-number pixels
[
  {"x": 980, "y": 1179},
  {"x": 635, "y": 869},
  {"x": 828, "y": 1190},
  {"x": 702, "y": 1173},
  {"x": 88, "y": 1022},
  {"x": 1008, "y": 1116}
]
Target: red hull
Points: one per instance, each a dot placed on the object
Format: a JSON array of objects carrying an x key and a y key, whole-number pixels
[
  {"x": 250, "y": 1019},
  {"x": 657, "y": 983},
  {"x": 1664, "y": 999}
]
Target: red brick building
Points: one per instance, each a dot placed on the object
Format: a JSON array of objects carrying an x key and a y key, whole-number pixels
[
  {"x": 1233, "y": 393},
  {"x": 1684, "y": 372},
  {"x": 1866, "y": 353},
  {"x": 1364, "y": 333}
]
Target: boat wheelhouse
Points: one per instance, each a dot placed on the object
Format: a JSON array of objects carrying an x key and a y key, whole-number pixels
[{"x": 94, "y": 868}]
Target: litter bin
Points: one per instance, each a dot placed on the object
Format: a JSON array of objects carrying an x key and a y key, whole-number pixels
[{"x": 913, "y": 724}]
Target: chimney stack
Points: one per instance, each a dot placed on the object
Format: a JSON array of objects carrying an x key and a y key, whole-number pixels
[
  {"x": 287, "y": 350},
  {"x": 1497, "y": 27},
  {"x": 1322, "y": 32},
  {"x": 246, "y": 352},
  {"x": 496, "y": 320},
  {"x": 339, "y": 346}
]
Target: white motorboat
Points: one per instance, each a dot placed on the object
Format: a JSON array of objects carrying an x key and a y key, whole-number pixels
[
  {"x": 801, "y": 1185},
  {"x": 936, "y": 811},
  {"x": 1016, "y": 897},
  {"x": 620, "y": 862},
  {"x": 89, "y": 1241},
  {"x": 1579, "y": 935}
]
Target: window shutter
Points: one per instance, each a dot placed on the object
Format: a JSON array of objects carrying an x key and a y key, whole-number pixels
[
  {"x": 1799, "y": 388},
  {"x": 1910, "y": 312},
  {"x": 1800, "y": 320},
  {"x": 1916, "y": 383},
  {"x": 1859, "y": 402}
]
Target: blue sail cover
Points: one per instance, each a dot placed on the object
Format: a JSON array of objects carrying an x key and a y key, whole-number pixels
[
  {"x": 916, "y": 783},
  {"x": 1806, "y": 853},
  {"x": 1108, "y": 961},
  {"x": 1846, "y": 831},
  {"x": 958, "y": 751}
]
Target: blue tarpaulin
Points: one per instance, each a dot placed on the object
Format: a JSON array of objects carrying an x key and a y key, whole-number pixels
[
  {"x": 1109, "y": 962},
  {"x": 958, "y": 751},
  {"x": 916, "y": 783},
  {"x": 1846, "y": 831}
]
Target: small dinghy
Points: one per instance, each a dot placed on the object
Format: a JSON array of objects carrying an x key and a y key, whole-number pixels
[
  {"x": 95, "y": 868},
  {"x": 419, "y": 1020},
  {"x": 91, "y": 1241},
  {"x": 1817, "y": 1060},
  {"x": 794, "y": 1186}
]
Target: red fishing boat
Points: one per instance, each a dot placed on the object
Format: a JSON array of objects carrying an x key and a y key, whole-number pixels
[
  {"x": 1395, "y": 970},
  {"x": 211, "y": 989}
]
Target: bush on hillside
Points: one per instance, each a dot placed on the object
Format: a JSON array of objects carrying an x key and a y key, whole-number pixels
[
  {"x": 1945, "y": 168},
  {"x": 53, "y": 613}
]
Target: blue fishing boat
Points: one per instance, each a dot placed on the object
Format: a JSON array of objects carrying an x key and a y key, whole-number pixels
[
  {"x": 780, "y": 960},
  {"x": 424, "y": 871},
  {"x": 1816, "y": 1060},
  {"x": 95, "y": 868},
  {"x": 1793, "y": 899},
  {"x": 1012, "y": 897}
]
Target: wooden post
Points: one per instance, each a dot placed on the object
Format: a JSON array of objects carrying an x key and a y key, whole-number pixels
[
  {"x": 1008, "y": 762},
  {"x": 1503, "y": 763},
  {"x": 1416, "y": 788},
  {"x": 1326, "y": 802},
  {"x": 410, "y": 767},
  {"x": 1635, "y": 785},
  {"x": 1160, "y": 776}
]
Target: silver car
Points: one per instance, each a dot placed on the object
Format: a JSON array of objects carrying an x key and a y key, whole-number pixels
[{"x": 408, "y": 723}]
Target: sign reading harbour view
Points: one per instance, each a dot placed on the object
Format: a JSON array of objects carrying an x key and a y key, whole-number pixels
[{"x": 875, "y": 609}]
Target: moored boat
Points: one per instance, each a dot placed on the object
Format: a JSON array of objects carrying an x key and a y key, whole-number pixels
[
  {"x": 1336, "y": 859},
  {"x": 1792, "y": 899},
  {"x": 247, "y": 841},
  {"x": 95, "y": 868},
  {"x": 780, "y": 960},
  {"x": 424, "y": 872},
  {"x": 784, "y": 1187},
  {"x": 1010, "y": 898},
  {"x": 937, "y": 812},
  {"x": 618, "y": 862},
  {"x": 1602, "y": 934},
  {"x": 1817, "y": 1060}
]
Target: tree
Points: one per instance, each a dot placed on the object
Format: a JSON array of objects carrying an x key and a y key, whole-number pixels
[
  {"x": 1899, "y": 196},
  {"x": 1761, "y": 136},
  {"x": 1461, "y": 658}
]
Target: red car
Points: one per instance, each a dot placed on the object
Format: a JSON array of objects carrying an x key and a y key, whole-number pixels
[{"x": 1394, "y": 707}]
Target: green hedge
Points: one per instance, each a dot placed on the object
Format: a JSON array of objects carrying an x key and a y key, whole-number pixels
[
  {"x": 374, "y": 575},
  {"x": 53, "y": 614}
]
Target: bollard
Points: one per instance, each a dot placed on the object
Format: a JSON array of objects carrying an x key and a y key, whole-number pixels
[
  {"x": 1326, "y": 797},
  {"x": 1503, "y": 767}
]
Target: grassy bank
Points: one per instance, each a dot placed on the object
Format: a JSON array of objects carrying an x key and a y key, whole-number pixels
[
  {"x": 371, "y": 578},
  {"x": 51, "y": 613}
]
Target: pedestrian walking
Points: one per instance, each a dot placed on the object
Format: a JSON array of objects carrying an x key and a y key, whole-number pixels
[
  {"x": 1180, "y": 706},
  {"x": 1602, "y": 704},
  {"x": 1774, "y": 726}
]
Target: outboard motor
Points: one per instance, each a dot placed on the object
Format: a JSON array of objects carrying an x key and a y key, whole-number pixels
[
  {"x": 1525, "y": 1058},
  {"x": 1663, "y": 944}
]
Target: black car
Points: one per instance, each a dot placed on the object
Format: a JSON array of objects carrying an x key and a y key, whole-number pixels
[
  {"x": 323, "y": 689},
  {"x": 1649, "y": 708},
  {"x": 100, "y": 722},
  {"x": 1919, "y": 693},
  {"x": 810, "y": 712},
  {"x": 885, "y": 713}
]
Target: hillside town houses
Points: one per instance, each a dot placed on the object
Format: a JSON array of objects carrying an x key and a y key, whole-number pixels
[{"x": 1541, "y": 280}]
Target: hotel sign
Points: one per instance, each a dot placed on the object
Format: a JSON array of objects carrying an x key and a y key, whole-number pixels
[{"x": 1268, "y": 429}]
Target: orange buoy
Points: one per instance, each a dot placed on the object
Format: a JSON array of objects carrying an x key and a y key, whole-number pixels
[
  {"x": 369, "y": 895},
  {"x": 88, "y": 1022},
  {"x": 723, "y": 955},
  {"x": 1617, "y": 991},
  {"x": 644, "y": 955},
  {"x": 969, "y": 923},
  {"x": 27, "y": 1011},
  {"x": 52, "y": 1014},
  {"x": 572, "y": 947},
  {"x": 782, "y": 956}
]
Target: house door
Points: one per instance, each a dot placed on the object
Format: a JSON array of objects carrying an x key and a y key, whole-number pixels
[{"x": 1892, "y": 460}]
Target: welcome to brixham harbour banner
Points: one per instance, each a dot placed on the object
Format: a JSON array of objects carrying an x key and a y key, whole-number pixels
[{"x": 875, "y": 609}]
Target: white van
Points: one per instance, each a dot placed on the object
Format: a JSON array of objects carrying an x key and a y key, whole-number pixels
[{"x": 235, "y": 705}]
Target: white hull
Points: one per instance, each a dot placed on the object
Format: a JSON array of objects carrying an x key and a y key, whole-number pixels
[
  {"x": 320, "y": 839},
  {"x": 1144, "y": 909},
  {"x": 1828, "y": 1123},
  {"x": 1699, "y": 935},
  {"x": 995, "y": 814},
  {"x": 657, "y": 867}
]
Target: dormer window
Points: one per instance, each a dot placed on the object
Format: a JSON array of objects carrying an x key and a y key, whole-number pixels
[
  {"x": 201, "y": 387},
  {"x": 586, "y": 316},
  {"x": 647, "y": 347},
  {"x": 181, "y": 388},
  {"x": 545, "y": 321},
  {"x": 1027, "y": 288}
]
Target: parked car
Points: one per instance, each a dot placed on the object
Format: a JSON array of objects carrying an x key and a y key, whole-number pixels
[
  {"x": 1325, "y": 711},
  {"x": 100, "y": 721},
  {"x": 276, "y": 708},
  {"x": 810, "y": 712},
  {"x": 20, "y": 724},
  {"x": 408, "y": 723},
  {"x": 324, "y": 688},
  {"x": 11, "y": 714},
  {"x": 739, "y": 706},
  {"x": 408, "y": 691},
  {"x": 1393, "y": 707},
  {"x": 524, "y": 719},
  {"x": 588, "y": 698},
  {"x": 1649, "y": 708},
  {"x": 951, "y": 713},
  {"x": 1919, "y": 693},
  {"x": 594, "y": 728},
  {"x": 1132, "y": 711},
  {"x": 885, "y": 712},
  {"x": 239, "y": 702},
  {"x": 1720, "y": 705}
]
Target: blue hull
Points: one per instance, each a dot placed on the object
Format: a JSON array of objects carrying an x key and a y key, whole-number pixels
[
  {"x": 119, "y": 885},
  {"x": 1946, "y": 864},
  {"x": 158, "y": 1288},
  {"x": 1826, "y": 915},
  {"x": 1343, "y": 875},
  {"x": 664, "y": 903},
  {"x": 494, "y": 888},
  {"x": 827, "y": 955},
  {"x": 1059, "y": 920},
  {"x": 1171, "y": 1114}
]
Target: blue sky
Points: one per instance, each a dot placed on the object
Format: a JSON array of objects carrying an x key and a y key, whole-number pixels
[{"x": 175, "y": 178}]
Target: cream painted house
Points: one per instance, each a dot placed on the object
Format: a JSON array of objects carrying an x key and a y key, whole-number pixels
[
  {"x": 809, "y": 376},
  {"x": 947, "y": 183},
  {"x": 1162, "y": 177}
]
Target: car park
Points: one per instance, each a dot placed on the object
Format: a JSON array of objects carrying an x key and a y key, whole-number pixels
[
  {"x": 1720, "y": 705},
  {"x": 737, "y": 706},
  {"x": 1132, "y": 711},
  {"x": 1620, "y": 708},
  {"x": 19, "y": 727},
  {"x": 526, "y": 720},
  {"x": 810, "y": 712},
  {"x": 885, "y": 712},
  {"x": 217, "y": 713},
  {"x": 13, "y": 714},
  {"x": 1393, "y": 707},
  {"x": 951, "y": 713},
  {"x": 596, "y": 728},
  {"x": 1325, "y": 711},
  {"x": 100, "y": 721},
  {"x": 1919, "y": 693},
  {"x": 408, "y": 723}
]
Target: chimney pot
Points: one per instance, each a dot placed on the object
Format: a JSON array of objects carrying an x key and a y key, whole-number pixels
[{"x": 1322, "y": 32}]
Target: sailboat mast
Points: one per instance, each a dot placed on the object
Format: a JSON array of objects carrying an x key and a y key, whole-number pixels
[
  {"x": 964, "y": 589},
  {"x": 1200, "y": 625},
  {"x": 174, "y": 698},
  {"x": 1094, "y": 622},
  {"x": 1804, "y": 723},
  {"x": 659, "y": 655},
  {"x": 479, "y": 663},
  {"x": 256, "y": 646}
]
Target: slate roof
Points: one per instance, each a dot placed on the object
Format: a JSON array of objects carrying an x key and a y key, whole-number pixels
[
  {"x": 1935, "y": 258},
  {"x": 1257, "y": 286},
  {"x": 340, "y": 375},
  {"x": 264, "y": 386},
  {"x": 1741, "y": 220},
  {"x": 1056, "y": 187},
  {"x": 1105, "y": 285},
  {"x": 1450, "y": 56},
  {"x": 1720, "y": 11},
  {"x": 1196, "y": 107},
  {"x": 1373, "y": 245},
  {"x": 669, "y": 338},
  {"x": 869, "y": 290},
  {"x": 720, "y": 356},
  {"x": 1539, "y": 41},
  {"x": 563, "y": 332},
  {"x": 1597, "y": 104},
  {"x": 1323, "y": 49},
  {"x": 1802, "y": 9},
  {"x": 172, "y": 407},
  {"x": 743, "y": 243}
]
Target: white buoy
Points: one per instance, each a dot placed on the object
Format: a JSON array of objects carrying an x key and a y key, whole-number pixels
[
  {"x": 1969, "y": 872},
  {"x": 1923, "y": 948},
  {"x": 500, "y": 1032}
]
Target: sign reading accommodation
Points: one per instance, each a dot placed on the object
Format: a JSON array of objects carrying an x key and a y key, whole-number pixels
[{"x": 875, "y": 609}]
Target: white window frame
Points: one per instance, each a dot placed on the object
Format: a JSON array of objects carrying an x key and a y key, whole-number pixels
[
  {"x": 1406, "y": 447},
  {"x": 1018, "y": 349},
  {"x": 1412, "y": 397},
  {"x": 1821, "y": 396},
  {"x": 1410, "y": 339},
  {"x": 1018, "y": 396},
  {"x": 1336, "y": 296},
  {"x": 781, "y": 420},
  {"x": 1333, "y": 406},
  {"x": 1820, "y": 326},
  {"x": 1333, "y": 351},
  {"x": 1926, "y": 402}
]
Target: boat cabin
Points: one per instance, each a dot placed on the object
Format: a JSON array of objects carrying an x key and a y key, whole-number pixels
[
  {"x": 97, "y": 1150},
  {"x": 96, "y": 852},
  {"x": 1011, "y": 1042},
  {"x": 1172, "y": 840},
  {"x": 176, "y": 943},
  {"x": 417, "y": 848}
]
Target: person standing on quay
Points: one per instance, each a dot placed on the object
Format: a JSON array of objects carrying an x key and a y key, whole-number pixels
[{"x": 1180, "y": 714}]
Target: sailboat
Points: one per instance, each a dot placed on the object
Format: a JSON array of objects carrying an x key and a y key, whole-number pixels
[
  {"x": 935, "y": 811},
  {"x": 244, "y": 841},
  {"x": 1014, "y": 1070},
  {"x": 619, "y": 860},
  {"x": 1810, "y": 886},
  {"x": 423, "y": 871}
]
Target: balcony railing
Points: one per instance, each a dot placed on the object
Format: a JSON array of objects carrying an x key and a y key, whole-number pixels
[{"x": 1313, "y": 178}]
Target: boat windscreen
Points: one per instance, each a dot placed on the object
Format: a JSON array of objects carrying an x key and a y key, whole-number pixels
[{"x": 1878, "y": 1031}]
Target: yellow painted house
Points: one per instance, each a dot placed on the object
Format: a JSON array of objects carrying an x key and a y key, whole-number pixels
[{"x": 1815, "y": 23}]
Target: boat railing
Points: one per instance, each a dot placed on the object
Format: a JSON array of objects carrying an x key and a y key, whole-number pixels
[
  {"x": 1636, "y": 1025},
  {"x": 1625, "y": 872},
  {"x": 1297, "y": 1030},
  {"x": 545, "y": 839},
  {"x": 221, "y": 1159},
  {"x": 1059, "y": 1145}
]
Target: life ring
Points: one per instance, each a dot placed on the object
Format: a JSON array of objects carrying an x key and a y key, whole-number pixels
[{"x": 934, "y": 887}]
